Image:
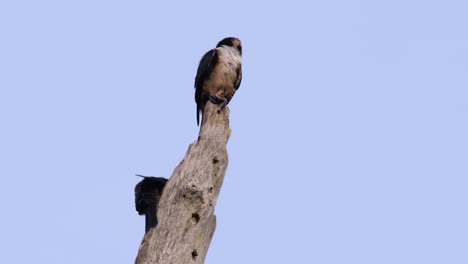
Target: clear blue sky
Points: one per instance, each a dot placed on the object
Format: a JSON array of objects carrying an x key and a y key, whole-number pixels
[{"x": 349, "y": 142}]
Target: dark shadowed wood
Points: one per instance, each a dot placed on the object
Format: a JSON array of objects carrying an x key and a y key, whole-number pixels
[{"x": 186, "y": 220}]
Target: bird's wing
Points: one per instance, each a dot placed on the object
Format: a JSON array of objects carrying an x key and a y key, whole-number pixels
[
  {"x": 237, "y": 82},
  {"x": 205, "y": 67},
  {"x": 239, "y": 77}
]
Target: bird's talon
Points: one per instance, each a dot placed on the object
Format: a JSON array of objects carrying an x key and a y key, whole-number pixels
[
  {"x": 223, "y": 103},
  {"x": 215, "y": 99}
]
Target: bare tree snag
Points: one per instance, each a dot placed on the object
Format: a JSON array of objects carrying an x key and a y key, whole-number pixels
[{"x": 186, "y": 220}]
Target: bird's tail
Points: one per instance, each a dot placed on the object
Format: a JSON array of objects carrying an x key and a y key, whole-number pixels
[{"x": 151, "y": 217}]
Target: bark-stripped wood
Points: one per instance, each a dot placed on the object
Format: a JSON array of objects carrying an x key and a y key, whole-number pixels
[{"x": 186, "y": 220}]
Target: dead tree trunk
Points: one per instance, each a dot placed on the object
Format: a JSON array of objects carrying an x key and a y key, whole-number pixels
[{"x": 186, "y": 220}]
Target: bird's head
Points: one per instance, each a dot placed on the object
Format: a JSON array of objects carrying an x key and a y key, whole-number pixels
[{"x": 231, "y": 42}]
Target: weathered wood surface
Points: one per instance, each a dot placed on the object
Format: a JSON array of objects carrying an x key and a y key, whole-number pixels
[{"x": 186, "y": 220}]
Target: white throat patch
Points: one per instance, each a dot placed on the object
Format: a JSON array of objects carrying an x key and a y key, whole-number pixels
[{"x": 230, "y": 57}]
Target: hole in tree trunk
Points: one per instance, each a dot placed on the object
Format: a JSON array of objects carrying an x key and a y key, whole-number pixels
[
  {"x": 195, "y": 217},
  {"x": 194, "y": 254}
]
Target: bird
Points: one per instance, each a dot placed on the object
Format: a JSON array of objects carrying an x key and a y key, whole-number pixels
[
  {"x": 219, "y": 74},
  {"x": 147, "y": 195}
]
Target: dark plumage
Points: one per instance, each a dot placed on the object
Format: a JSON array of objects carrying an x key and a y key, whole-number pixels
[
  {"x": 147, "y": 195},
  {"x": 219, "y": 74}
]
